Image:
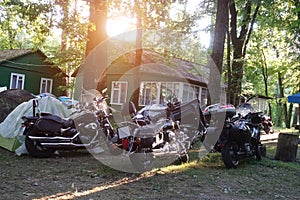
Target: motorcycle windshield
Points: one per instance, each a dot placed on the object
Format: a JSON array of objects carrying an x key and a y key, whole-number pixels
[
  {"x": 154, "y": 112},
  {"x": 188, "y": 113},
  {"x": 96, "y": 99},
  {"x": 244, "y": 109}
]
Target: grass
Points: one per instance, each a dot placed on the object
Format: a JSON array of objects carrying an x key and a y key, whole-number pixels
[
  {"x": 204, "y": 178},
  {"x": 287, "y": 130}
]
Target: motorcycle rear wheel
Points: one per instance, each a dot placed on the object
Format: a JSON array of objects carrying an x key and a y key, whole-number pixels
[
  {"x": 229, "y": 155},
  {"x": 258, "y": 152},
  {"x": 35, "y": 149}
]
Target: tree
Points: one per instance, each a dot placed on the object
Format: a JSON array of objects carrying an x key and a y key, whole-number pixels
[
  {"x": 273, "y": 56},
  {"x": 97, "y": 30},
  {"x": 24, "y": 24},
  {"x": 68, "y": 52},
  {"x": 218, "y": 50}
]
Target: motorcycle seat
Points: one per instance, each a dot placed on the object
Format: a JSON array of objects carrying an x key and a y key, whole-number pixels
[{"x": 65, "y": 123}]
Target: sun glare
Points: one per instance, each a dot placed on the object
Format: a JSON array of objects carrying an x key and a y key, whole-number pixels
[{"x": 116, "y": 26}]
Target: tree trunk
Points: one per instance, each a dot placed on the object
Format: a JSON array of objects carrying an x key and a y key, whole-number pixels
[
  {"x": 97, "y": 62},
  {"x": 265, "y": 78},
  {"x": 284, "y": 104},
  {"x": 239, "y": 44},
  {"x": 229, "y": 89},
  {"x": 64, "y": 40},
  {"x": 218, "y": 51},
  {"x": 287, "y": 147},
  {"x": 97, "y": 33},
  {"x": 237, "y": 76},
  {"x": 138, "y": 56}
]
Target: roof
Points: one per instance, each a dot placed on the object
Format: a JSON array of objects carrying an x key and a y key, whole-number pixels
[
  {"x": 13, "y": 53},
  {"x": 156, "y": 63},
  {"x": 8, "y": 55}
]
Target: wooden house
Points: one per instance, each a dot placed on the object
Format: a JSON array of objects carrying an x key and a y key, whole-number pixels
[
  {"x": 28, "y": 70},
  {"x": 161, "y": 79}
]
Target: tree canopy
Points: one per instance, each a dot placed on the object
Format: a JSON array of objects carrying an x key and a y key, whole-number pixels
[{"x": 261, "y": 49}]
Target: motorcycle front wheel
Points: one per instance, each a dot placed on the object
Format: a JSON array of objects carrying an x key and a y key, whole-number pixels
[
  {"x": 229, "y": 155},
  {"x": 35, "y": 149}
]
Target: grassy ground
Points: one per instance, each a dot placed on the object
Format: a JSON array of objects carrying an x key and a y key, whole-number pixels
[{"x": 77, "y": 175}]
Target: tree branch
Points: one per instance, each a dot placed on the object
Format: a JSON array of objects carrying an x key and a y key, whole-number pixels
[{"x": 251, "y": 28}]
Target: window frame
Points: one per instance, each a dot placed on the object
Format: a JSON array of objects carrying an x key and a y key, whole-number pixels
[
  {"x": 41, "y": 84},
  {"x": 17, "y": 80},
  {"x": 119, "y": 91}
]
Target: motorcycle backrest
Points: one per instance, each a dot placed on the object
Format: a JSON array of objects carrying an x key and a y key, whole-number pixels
[{"x": 35, "y": 105}]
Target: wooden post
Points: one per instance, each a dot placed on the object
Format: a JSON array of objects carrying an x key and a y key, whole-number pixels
[{"x": 287, "y": 147}]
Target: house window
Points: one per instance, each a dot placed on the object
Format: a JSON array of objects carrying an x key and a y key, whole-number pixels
[
  {"x": 203, "y": 97},
  {"x": 191, "y": 92},
  {"x": 118, "y": 92},
  {"x": 149, "y": 93},
  {"x": 46, "y": 85},
  {"x": 168, "y": 91},
  {"x": 17, "y": 81}
]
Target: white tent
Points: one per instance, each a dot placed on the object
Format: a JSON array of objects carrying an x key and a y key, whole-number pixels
[{"x": 10, "y": 128}]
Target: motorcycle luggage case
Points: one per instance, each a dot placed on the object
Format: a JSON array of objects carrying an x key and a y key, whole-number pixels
[
  {"x": 148, "y": 130},
  {"x": 237, "y": 135},
  {"x": 52, "y": 123}
]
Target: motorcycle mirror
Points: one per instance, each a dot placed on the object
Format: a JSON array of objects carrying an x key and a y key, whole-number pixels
[{"x": 104, "y": 91}]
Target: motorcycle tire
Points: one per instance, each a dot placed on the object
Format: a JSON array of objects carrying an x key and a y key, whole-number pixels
[
  {"x": 142, "y": 161},
  {"x": 258, "y": 153},
  {"x": 229, "y": 155},
  {"x": 271, "y": 130},
  {"x": 267, "y": 130},
  {"x": 183, "y": 158},
  {"x": 35, "y": 149}
]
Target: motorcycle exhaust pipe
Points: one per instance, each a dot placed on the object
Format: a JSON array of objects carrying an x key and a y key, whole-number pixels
[
  {"x": 64, "y": 145},
  {"x": 53, "y": 139}
]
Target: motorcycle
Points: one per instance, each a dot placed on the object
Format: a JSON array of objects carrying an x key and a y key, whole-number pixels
[
  {"x": 267, "y": 124},
  {"x": 45, "y": 133},
  {"x": 153, "y": 132},
  {"x": 240, "y": 138}
]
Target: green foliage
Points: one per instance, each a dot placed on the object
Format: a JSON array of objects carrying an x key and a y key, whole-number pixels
[{"x": 24, "y": 24}]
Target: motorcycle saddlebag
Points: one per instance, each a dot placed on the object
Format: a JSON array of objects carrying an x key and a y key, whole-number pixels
[
  {"x": 51, "y": 123},
  {"x": 237, "y": 135},
  {"x": 148, "y": 131}
]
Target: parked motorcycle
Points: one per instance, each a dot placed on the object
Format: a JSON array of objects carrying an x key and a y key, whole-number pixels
[
  {"x": 267, "y": 124},
  {"x": 240, "y": 138},
  {"x": 153, "y": 132},
  {"x": 45, "y": 133}
]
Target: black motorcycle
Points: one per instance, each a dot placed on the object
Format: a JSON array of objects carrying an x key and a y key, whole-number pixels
[
  {"x": 45, "y": 133},
  {"x": 153, "y": 133},
  {"x": 240, "y": 138}
]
